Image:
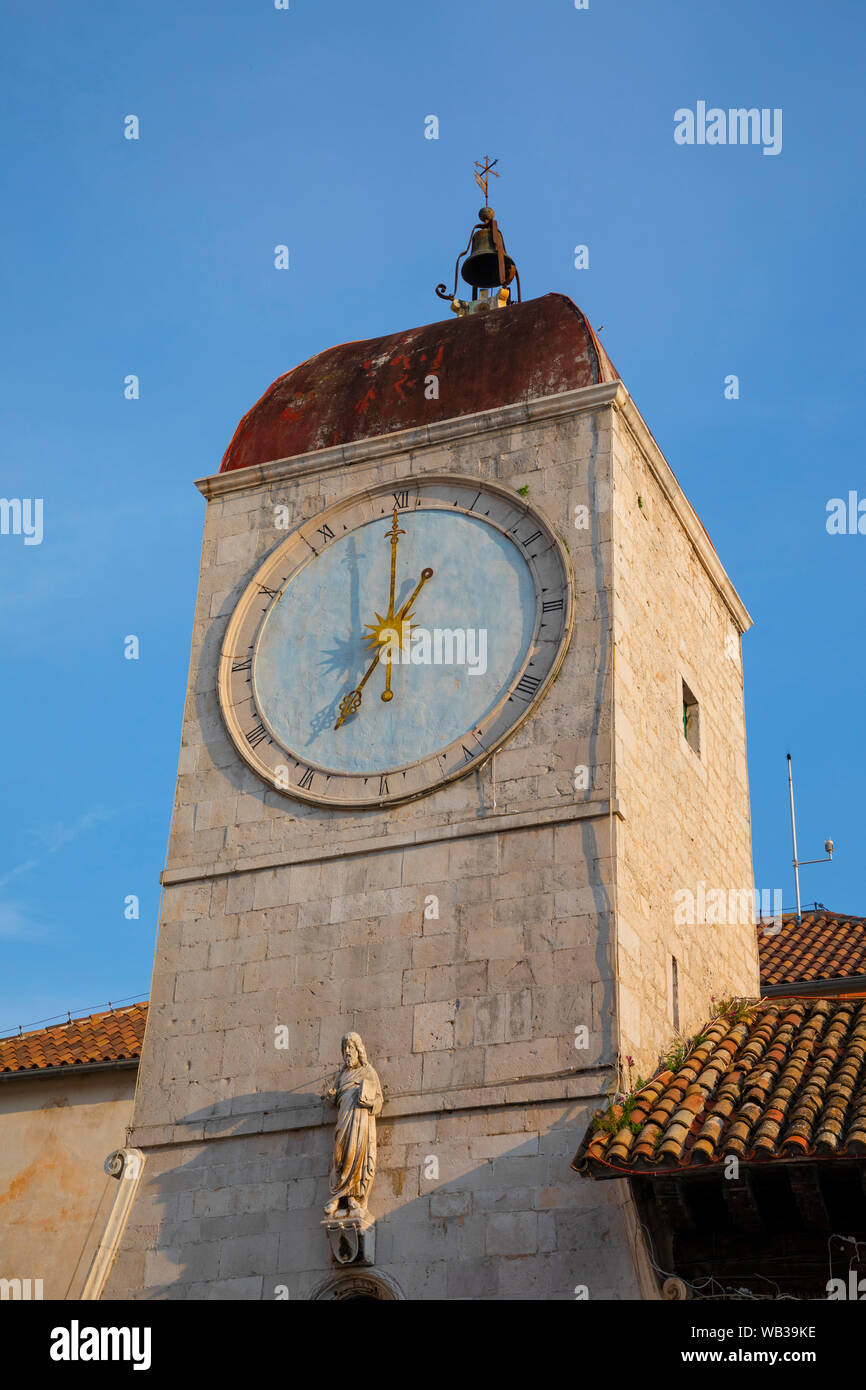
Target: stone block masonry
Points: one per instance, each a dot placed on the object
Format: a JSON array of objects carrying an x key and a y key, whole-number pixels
[{"x": 496, "y": 943}]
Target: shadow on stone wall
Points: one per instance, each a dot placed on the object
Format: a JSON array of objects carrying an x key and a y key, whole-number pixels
[{"x": 239, "y": 1216}]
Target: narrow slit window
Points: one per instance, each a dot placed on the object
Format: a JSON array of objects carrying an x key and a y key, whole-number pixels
[
  {"x": 691, "y": 720},
  {"x": 675, "y": 994}
]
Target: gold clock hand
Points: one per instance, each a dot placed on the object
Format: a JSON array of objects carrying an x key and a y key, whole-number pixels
[
  {"x": 352, "y": 702},
  {"x": 393, "y": 536},
  {"x": 387, "y": 693},
  {"x": 425, "y": 575}
]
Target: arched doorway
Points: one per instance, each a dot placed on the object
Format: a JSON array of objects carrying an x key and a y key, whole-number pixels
[{"x": 362, "y": 1286}]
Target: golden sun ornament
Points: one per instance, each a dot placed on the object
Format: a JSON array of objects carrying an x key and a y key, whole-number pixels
[{"x": 387, "y": 634}]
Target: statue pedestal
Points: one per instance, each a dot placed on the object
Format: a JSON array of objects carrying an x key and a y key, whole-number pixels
[{"x": 352, "y": 1238}]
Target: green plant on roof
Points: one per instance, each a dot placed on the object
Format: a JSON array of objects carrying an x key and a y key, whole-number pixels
[
  {"x": 732, "y": 1008},
  {"x": 617, "y": 1116},
  {"x": 617, "y": 1113},
  {"x": 677, "y": 1052},
  {"x": 624, "y": 1066}
]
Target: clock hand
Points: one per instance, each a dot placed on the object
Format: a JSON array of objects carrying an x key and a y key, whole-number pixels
[
  {"x": 352, "y": 702},
  {"x": 393, "y": 536},
  {"x": 401, "y": 617},
  {"x": 425, "y": 575}
]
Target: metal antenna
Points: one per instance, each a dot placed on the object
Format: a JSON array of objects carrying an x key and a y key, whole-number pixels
[{"x": 828, "y": 844}]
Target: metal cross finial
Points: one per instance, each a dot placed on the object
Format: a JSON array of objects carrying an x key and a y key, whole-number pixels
[{"x": 482, "y": 175}]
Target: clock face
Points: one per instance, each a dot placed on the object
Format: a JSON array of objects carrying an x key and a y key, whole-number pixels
[{"x": 393, "y": 642}]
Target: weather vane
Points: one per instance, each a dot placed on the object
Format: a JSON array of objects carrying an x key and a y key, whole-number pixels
[
  {"x": 482, "y": 174},
  {"x": 487, "y": 265}
]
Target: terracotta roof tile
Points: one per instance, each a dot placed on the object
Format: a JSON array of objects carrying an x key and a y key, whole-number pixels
[
  {"x": 114, "y": 1036},
  {"x": 823, "y": 946},
  {"x": 788, "y": 1081}
]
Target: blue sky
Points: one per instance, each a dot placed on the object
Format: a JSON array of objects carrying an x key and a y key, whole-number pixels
[{"x": 305, "y": 127}]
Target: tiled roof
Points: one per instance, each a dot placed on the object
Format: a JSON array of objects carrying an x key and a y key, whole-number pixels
[
  {"x": 824, "y": 946},
  {"x": 114, "y": 1036},
  {"x": 789, "y": 1081}
]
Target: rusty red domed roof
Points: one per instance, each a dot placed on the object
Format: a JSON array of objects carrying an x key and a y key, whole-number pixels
[{"x": 377, "y": 386}]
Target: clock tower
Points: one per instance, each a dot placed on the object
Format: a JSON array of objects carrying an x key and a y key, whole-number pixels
[{"x": 464, "y": 718}]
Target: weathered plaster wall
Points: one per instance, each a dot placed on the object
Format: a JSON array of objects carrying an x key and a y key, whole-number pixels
[{"x": 55, "y": 1134}]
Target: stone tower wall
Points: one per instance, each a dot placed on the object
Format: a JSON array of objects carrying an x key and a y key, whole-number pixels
[
  {"x": 493, "y": 1026},
  {"x": 685, "y": 812}
]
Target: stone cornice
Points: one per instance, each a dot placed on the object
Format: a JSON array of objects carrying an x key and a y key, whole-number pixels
[
  {"x": 551, "y": 813},
  {"x": 584, "y": 1085},
  {"x": 403, "y": 441},
  {"x": 485, "y": 422}
]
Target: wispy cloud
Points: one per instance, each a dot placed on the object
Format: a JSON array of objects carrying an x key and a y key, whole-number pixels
[
  {"x": 53, "y": 839},
  {"x": 15, "y": 925}
]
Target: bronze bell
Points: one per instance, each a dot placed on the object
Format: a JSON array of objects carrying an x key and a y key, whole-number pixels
[{"x": 487, "y": 265}]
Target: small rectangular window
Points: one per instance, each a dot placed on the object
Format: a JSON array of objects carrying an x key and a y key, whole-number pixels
[
  {"x": 691, "y": 720},
  {"x": 675, "y": 994}
]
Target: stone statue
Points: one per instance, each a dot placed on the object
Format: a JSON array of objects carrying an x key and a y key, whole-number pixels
[{"x": 357, "y": 1093}]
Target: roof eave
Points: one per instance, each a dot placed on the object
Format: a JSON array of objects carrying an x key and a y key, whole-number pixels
[
  {"x": 68, "y": 1069},
  {"x": 596, "y": 1168},
  {"x": 817, "y": 989}
]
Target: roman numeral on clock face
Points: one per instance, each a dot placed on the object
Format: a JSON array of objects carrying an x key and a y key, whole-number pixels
[
  {"x": 268, "y": 720},
  {"x": 527, "y": 685}
]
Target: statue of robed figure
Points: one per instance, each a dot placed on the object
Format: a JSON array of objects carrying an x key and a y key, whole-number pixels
[{"x": 357, "y": 1094}]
